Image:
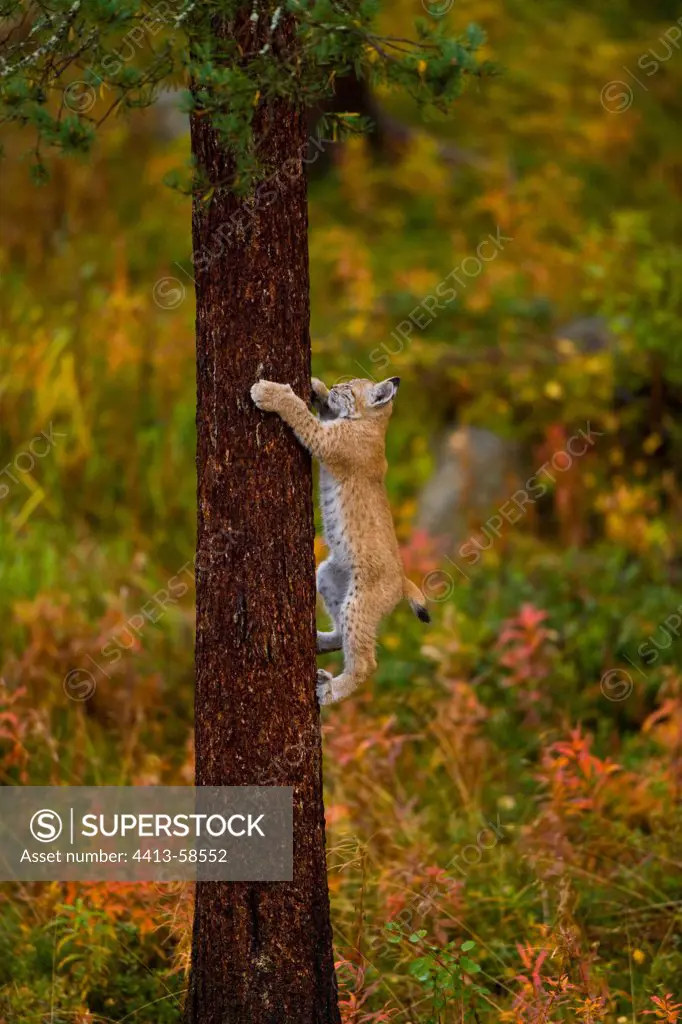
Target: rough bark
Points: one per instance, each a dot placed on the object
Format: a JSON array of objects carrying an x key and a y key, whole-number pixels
[{"x": 262, "y": 952}]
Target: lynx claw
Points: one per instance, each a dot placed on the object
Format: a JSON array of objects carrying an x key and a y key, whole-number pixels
[{"x": 324, "y": 687}]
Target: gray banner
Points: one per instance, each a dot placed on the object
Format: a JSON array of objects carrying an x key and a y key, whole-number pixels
[{"x": 146, "y": 833}]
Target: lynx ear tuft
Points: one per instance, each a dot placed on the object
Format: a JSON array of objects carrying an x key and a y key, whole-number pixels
[{"x": 384, "y": 392}]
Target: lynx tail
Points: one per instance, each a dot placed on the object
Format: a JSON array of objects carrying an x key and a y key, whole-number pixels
[{"x": 416, "y": 601}]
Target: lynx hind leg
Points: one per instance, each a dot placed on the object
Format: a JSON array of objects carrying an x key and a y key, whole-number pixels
[
  {"x": 332, "y": 585},
  {"x": 360, "y": 618}
]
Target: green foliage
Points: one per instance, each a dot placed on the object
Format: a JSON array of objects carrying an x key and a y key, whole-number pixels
[
  {"x": 65, "y": 71},
  {"x": 644, "y": 297},
  {"x": 83, "y": 963},
  {"x": 445, "y": 973}
]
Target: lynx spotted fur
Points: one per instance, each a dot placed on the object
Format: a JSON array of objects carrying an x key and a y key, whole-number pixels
[{"x": 363, "y": 579}]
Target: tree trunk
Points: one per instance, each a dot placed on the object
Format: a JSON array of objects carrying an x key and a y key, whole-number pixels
[{"x": 262, "y": 952}]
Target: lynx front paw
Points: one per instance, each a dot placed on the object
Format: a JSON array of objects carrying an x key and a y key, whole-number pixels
[
  {"x": 319, "y": 394},
  {"x": 324, "y": 687},
  {"x": 267, "y": 395}
]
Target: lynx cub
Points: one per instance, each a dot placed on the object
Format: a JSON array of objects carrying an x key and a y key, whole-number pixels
[{"x": 363, "y": 578}]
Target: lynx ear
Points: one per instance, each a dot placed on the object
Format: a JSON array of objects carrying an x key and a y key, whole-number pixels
[{"x": 384, "y": 392}]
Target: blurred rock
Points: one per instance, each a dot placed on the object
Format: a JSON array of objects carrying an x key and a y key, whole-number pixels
[{"x": 475, "y": 470}]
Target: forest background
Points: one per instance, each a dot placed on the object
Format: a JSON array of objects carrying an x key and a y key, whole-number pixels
[{"x": 503, "y": 802}]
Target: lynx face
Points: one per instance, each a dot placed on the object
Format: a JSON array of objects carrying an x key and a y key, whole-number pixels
[{"x": 357, "y": 399}]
